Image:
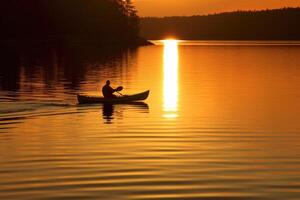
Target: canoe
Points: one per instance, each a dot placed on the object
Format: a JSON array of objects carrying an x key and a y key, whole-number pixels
[{"x": 83, "y": 99}]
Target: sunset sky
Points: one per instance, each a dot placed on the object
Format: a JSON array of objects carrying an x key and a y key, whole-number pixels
[{"x": 198, "y": 7}]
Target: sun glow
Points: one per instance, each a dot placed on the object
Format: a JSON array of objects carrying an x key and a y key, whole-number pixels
[{"x": 170, "y": 95}]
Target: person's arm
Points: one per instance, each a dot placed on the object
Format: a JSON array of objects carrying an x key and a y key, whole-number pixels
[{"x": 112, "y": 90}]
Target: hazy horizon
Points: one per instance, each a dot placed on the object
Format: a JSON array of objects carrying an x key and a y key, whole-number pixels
[{"x": 194, "y": 7}]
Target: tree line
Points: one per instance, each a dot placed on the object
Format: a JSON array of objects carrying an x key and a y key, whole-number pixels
[
  {"x": 276, "y": 24},
  {"x": 101, "y": 21}
]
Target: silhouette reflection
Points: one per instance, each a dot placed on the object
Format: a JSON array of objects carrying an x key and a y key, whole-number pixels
[
  {"x": 38, "y": 71},
  {"x": 9, "y": 70},
  {"x": 111, "y": 111},
  {"x": 107, "y": 112}
]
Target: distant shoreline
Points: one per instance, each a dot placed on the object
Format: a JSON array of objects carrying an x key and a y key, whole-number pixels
[
  {"x": 276, "y": 24},
  {"x": 234, "y": 43}
]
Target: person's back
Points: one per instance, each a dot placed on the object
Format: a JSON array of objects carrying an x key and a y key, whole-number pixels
[{"x": 108, "y": 91}]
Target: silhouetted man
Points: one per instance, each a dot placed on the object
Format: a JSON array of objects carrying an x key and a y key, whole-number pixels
[{"x": 108, "y": 91}]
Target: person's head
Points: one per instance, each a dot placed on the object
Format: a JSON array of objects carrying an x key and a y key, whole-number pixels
[{"x": 108, "y": 82}]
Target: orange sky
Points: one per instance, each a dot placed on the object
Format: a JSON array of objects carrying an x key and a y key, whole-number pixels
[{"x": 198, "y": 7}]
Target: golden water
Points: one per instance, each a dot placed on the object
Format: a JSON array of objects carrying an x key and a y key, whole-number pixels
[{"x": 222, "y": 122}]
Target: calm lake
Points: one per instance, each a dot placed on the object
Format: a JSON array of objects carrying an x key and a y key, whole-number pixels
[{"x": 222, "y": 122}]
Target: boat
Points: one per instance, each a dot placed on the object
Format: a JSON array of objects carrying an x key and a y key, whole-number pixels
[{"x": 83, "y": 99}]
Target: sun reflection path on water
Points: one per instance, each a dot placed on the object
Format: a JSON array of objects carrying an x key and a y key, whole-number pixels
[{"x": 170, "y": 92}]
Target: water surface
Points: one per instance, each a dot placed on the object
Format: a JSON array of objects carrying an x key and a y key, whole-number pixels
[{"x": 221, "y": 122}]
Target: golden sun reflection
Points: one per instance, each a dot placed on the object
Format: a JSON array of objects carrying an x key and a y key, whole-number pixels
[{"x": 170, "y": 96}]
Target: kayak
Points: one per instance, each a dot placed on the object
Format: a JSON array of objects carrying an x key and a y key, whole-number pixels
[{"x": 83, "y": 99}]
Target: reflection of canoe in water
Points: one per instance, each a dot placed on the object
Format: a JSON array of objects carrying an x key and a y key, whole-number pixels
[{"x": 82, "y": 99}]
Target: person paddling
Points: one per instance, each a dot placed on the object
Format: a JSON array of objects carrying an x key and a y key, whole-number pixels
[{"x": 108, "y": 91}]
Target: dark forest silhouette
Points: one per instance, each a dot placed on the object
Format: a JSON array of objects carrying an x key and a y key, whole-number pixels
[
  {"x": 69, "y": 21},
  {"x": 277, "y": 24}
]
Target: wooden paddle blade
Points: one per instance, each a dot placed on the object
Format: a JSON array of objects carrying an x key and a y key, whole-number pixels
[{"x": 120, "y": 88}]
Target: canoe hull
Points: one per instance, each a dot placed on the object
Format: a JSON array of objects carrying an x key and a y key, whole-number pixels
[{"x": 82, "y": 99}]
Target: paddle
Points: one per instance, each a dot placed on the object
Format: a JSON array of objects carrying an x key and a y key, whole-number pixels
[
  {"x": 120, "y": 88},
  {"x": 120, "y": 93}
]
